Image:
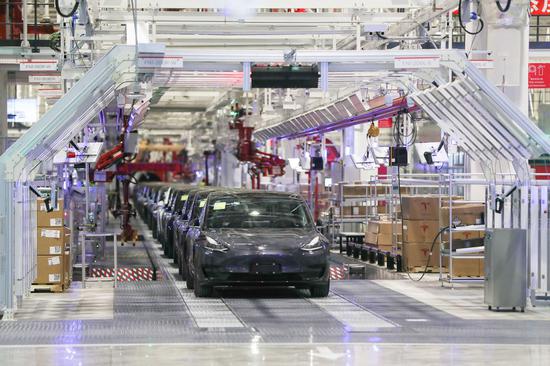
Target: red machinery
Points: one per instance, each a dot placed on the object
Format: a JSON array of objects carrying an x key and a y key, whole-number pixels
[
  {"x": 263, "y": 163},
  {"x": 126, "y": 168},
  {"x": 11, "y": 18}
]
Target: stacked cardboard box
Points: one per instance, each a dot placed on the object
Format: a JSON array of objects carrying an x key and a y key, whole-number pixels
[
  {"x": 420, "y": 226},
  {"x": 354, "y": 211},
  {"x": 379, "y": 234},
  {"x": 465, "y": 213},
  {"x": 471, "y": 267},
  {"x": 423, "y": 217},
  {"x": 53, "y": 244},
  {"x": 361, "y": 189}
]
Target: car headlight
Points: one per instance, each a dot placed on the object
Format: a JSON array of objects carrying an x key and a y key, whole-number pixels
[
  {"x": 215, "y": 246},
  {"x": 314, "y": 244}
]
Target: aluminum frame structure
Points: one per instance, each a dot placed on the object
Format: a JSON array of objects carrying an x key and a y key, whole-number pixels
[
  {"x": 343, "y": 113},
  {"x": 527, "y": 208},
  {"x": 18, "y": 165},
  {"x": 460, "y": 108},
  {"x": 486, "y": 132}
]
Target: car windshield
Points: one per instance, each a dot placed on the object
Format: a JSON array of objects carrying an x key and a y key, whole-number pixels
[
  {"x": 243, "y": 211},
  {"x": 181, "y": 201},
  {"x": 198, "y": 204}
]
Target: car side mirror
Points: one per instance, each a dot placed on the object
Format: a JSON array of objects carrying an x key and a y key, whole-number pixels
[{"x": 320, "y": 224}]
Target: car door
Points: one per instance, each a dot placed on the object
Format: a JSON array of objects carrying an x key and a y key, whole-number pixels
[{"x": 194, "y": 231}]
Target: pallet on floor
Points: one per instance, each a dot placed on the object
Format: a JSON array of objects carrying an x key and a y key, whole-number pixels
[
  {"x": 430, "y": 269},
  {"x": 48, "y": 287}
]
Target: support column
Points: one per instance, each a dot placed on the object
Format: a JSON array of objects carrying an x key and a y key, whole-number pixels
[
  {"x": 506, "y": 36},
  {"x": 3, "y": 110},
  {"x": 351, "y": 173}
]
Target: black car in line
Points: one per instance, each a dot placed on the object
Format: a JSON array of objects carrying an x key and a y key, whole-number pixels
[
  {"x": 194, "y": 205},
  {"x": 256, "y": 238}
]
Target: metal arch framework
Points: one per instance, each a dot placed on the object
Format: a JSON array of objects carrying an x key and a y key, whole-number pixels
[
  {"x": 97, "y": 88},
  {"x": 49, "y": 135},
  {"x": 466, "y": 105}
]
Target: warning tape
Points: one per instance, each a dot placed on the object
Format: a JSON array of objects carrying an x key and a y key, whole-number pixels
[
  {"x": 124, "y": 273},
  {"x": 337, "y": 273}
]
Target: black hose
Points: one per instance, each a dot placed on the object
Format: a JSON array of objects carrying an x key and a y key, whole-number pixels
[
  {"x": 505, "y": 8},
  {"x": 481, "y": 23},
  {"x": 430, "y": 254},
  {"x": 70, "y": 14}
]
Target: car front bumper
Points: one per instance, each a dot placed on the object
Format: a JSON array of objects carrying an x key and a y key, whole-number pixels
[{"x": 248, "y": 267}]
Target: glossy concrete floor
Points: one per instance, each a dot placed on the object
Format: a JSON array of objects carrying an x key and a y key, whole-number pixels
[
  {"x": 382, "y": 321},
  {"x": 279, "y": 354}
]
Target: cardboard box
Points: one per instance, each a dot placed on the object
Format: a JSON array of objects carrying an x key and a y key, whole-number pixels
[
  {"x": 354, "y": 190},
  {"x": 386, "y": 248},
  {"x": 420, "y": 207},
  {"x": 382, "y": 227},
  {"x": 467, "y": 214},
  {"x": 354, "y": 210},
  {"x": 378, "y": 239},
  {"x": 50, "y": 269},
  {"x": 371, "y": 238},
  {"x": 52, "y": 240},
  {"x": 463, "y": 235},
  {"x": 416, "y": 254},
  {"x": 384, "y": 208},
  {"x": 466, "y": 267},
  {"x": 420, "y": 231},
  {"x": 45, "y": 218}
]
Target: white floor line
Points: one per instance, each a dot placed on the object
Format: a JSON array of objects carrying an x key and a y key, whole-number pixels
[
  {"x": 354, "y": 317},
  {"x": 207, "y": 312}
]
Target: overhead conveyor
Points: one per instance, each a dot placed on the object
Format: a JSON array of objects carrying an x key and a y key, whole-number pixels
[{"x": 475, "y": 113}]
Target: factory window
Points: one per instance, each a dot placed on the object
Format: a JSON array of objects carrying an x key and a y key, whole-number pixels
[{"x": 539, "y": 108}]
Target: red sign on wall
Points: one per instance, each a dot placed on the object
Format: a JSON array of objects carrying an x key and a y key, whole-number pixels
[
  {"x": 540, "y": 7},
  {"x": 539, "y": 75},
  {"x": 385, "y": 122}
]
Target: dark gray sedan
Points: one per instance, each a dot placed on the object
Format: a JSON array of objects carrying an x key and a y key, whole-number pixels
[{"x": 257, "y": 238}]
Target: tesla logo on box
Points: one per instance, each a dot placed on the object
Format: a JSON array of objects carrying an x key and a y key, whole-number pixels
[
  {"x": 540, "y": 7},
  {"x": 539, "y": 75}
]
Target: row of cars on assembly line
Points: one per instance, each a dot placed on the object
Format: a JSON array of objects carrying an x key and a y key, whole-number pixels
[{"x": 221, "y": 237}]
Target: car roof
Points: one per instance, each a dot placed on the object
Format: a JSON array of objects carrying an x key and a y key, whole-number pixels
[{"x": 261, "y": 193}]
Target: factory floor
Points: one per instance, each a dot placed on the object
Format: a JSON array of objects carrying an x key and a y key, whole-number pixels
[{"x": 384, "y": 320}]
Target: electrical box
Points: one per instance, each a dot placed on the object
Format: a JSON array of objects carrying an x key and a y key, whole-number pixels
[
  {"x": 131, "y": 143},
  {"x": 285, "y": 76},
  {"x": 316, "y": 163},
  {"x": 506, "y": 268},
  {"x": 398, "y": 156}
]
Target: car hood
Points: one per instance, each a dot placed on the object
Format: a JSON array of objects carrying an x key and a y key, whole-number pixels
[{"x": 267, "y": 239}]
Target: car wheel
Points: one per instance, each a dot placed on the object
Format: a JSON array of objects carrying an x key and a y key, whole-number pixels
[
  {"x": 180, "y": 268},
  {"x": 320, "y": 290},
  {"x": 189, "y": 280},
  {"x": 175, "y": 254},
  {"x": 201, "y": 290}
]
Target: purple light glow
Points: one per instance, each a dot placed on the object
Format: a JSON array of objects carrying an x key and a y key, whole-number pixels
[{"x": 385, "y": 112}]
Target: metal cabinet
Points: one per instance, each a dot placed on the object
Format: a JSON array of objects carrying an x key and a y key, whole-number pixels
[{"x": 506, "y": 268}]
